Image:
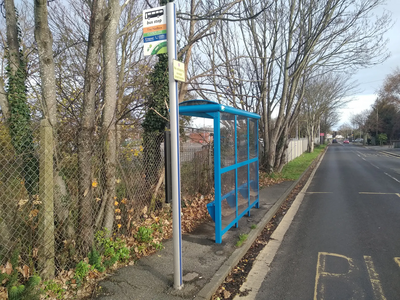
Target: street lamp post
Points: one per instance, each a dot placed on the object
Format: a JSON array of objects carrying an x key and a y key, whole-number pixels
[{"x": 377, "y": 121}]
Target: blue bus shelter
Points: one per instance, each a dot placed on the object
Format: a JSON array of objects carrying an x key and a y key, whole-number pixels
[{"x": 235, "y": 161}]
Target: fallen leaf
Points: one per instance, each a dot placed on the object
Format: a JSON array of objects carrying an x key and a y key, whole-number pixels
[
  {"x": 33, "y": 213},
  {"x": 8, "y": 268},
  {"x": 226, "y": 294},
  {"x": 22, "y": 202},
  {"x": 24, "y": 271},
  {"x": 3, "y": 293},
  {"x": 35, "y": 252},
  {"x": 144, "y": 211}
]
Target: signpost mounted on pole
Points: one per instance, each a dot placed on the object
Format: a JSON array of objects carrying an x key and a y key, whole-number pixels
[
  {"x": 174, "y": 122},
  {"x": 159, "y": 36}
]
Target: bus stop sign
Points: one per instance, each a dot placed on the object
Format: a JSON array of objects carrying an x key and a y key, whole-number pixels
[{"x": 155, "y": 31}]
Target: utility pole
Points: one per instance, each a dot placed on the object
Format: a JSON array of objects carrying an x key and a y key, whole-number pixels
[{"x": 377, "y": 121}]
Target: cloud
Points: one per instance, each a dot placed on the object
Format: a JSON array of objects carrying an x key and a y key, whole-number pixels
[{"x": 356, "y": 106}]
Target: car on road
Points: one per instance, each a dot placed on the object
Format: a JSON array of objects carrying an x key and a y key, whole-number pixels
[
  {"x": 346, "y": 141},
  {"x": 334, "y": 141}
]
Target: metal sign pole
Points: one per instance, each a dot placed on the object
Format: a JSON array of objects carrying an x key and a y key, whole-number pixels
[{"x": 174, "y": 122}]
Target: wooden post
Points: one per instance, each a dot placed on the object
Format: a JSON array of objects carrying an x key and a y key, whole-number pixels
[{"x": 46, "y": 197}]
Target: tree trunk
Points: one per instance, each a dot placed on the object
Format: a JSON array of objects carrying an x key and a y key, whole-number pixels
[
  {"x": 44, "y": 40},
  {"x": 86, "y": 132},
  {"x": 46, "y": 196},
  {"x": 3, "y": 101},
  {"x": 271, "y": 154},
  {"x": 109, "y": 113},
  {"x": 19, "y": 112},
  {"x": 282, "y": 145},
  {"x": 62, "y": 207},
  {"x": 12, "y": 36}
]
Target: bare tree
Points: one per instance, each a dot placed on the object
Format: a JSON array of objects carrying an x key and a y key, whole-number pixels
[
  {"x": 86, "y": 133},
  {"x": 109, "y": 122},
  {"x": 391, "y": 87},
  {"x": 202, "y": 17},
  {"x": 360, "y": 122},
  {"x": 291, "y": 39},
  {"x": 328, "y": 120},
  {"x": 345, "y": 130},
  {"x": 323, "y": 94}
]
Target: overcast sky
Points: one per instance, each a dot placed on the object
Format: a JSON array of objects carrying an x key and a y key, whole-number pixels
[{"x": 371, "y": 79}]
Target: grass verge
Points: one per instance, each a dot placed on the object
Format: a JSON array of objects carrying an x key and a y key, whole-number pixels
[{"x": 293, "y": 170}]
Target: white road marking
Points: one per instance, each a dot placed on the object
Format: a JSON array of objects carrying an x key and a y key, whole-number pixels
[
  {"x": 375, "y": 166},
  {"x": 318, "y": 192},
  {"x": 361, "y": 154},
  {"x": 378, "y": 193},
  {"x": 392, "y": 177}
]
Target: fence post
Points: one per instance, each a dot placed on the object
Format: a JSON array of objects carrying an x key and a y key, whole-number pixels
[{"x": 46, "y": 196}]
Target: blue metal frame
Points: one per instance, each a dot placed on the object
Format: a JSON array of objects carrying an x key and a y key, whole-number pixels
[{"x": 213, "y": 110}]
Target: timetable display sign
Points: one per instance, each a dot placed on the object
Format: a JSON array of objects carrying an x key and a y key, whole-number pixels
[{"x": 179, "y": 71}]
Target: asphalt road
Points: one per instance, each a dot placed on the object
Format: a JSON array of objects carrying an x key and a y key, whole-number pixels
[{"x": 344, "y": 242}]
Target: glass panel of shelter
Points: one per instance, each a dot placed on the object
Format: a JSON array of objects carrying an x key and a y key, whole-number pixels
[
  {"x": 227, "y": 132},
  {"x": 241, "y": 129},
  {"x": 228, "y": 198},
  {"x": 253, "y": 138},
  {"x": 234, "y": 149}
]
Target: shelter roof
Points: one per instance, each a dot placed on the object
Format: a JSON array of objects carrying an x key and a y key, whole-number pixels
[{"x": 205, "y": 109}]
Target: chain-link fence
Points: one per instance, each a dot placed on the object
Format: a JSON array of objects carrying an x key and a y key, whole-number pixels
[{"x": 59, "y": 187}]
